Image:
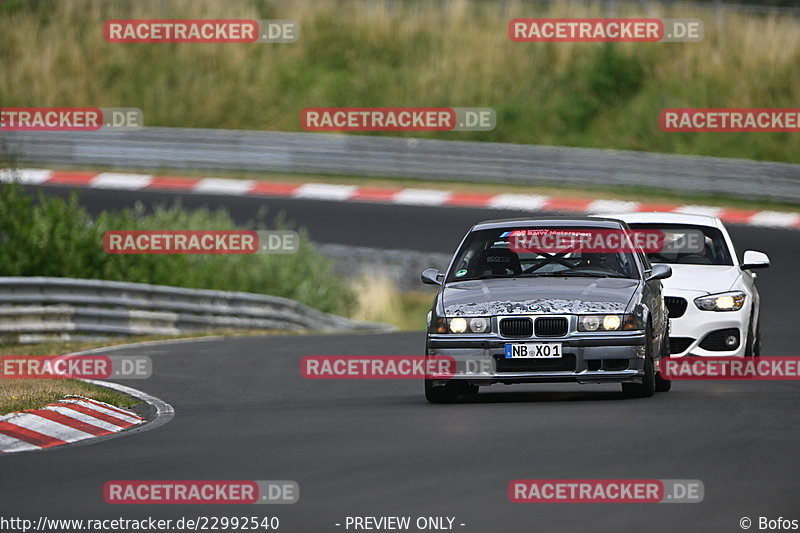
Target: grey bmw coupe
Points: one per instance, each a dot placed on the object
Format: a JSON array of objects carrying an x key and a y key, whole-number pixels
[{"x": 548, "y": 300}]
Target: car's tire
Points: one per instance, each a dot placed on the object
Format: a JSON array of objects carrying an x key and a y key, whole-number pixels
[
  {"x": 757, "y": 344},
  {"x": 447, "y": 393},
  {"x": 468, "y": 390},
  {"x": 753, "y": 346},
  {"x": 647, "y": 387},
  {"x": 663, "y": 384}
]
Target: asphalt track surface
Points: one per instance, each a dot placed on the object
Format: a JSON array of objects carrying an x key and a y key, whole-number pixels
[{"x": 369, "y": 448}]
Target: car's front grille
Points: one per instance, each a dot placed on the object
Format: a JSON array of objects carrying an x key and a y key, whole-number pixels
[
  {"x": 551, "y": 326},
  {"x": 676, "y": 307},
  {"x": 566, "y": 363},
  {"x": 715, "y": 341},
  {"x": 516, "y": 327},
  {"x": 679, "y": 344}
]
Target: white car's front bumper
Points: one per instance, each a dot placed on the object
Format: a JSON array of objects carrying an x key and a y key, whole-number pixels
[{"x": 689, "y": 333}]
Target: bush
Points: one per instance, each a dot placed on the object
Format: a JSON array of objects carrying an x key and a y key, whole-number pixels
[{"x": 56, "y": 237}]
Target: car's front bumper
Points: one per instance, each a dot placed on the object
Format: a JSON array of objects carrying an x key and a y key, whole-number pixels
[
  {"x": 592, "y": 358},
  {"x": 688, "y": 331}
]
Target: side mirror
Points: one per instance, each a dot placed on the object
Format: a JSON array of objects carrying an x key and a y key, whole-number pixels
[
  {"x": 431, "y": 276},
  {"x": 659, "y": 271},
  {"x": 753, "y": 259}
]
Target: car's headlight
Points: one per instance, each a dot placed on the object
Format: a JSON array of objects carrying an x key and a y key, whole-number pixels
[
  {"x": 607, "y": 323},
  {"x": 457, "y": 325},
  {"x": 463, "y": 325},
  {"x": 726, "y": 301},
  {"x": 612, "y": 322}
]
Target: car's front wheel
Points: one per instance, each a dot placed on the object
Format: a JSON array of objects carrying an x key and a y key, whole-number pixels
[
  {"x": 448, "y": 392},
  {"x": 663, "y": 384},
  {"x": 442, "y": 393},
  {"x": 753, "y": 346},
  {"x": 647, "y": 387}
]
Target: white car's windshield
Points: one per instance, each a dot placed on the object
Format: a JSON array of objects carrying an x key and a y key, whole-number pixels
[{"x": 713, "y": 252}]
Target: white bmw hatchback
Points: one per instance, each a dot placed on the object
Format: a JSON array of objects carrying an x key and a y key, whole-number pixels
[{"x": 711, "y": 298}]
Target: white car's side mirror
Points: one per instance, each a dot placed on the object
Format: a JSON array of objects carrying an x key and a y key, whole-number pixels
[{"x": 753, "y": 259}]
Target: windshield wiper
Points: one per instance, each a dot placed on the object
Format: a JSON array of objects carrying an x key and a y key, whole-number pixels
[
  {"x": 569, "y": 274},
  {"x": 476, "y": 278}
]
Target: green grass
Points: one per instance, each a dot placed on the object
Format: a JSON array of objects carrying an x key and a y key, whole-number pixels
[{"x": 394, "y": 53}]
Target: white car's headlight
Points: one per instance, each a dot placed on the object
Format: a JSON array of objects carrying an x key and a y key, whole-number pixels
[{"x": 726, "y": 301}]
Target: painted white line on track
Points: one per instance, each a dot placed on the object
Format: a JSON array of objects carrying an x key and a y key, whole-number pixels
[
  {"x": 223, "y": 186},
  {"x": 111, "y": 180},
  {"x": 421, "y": 197},
  {"x": 324, "y": 191}
]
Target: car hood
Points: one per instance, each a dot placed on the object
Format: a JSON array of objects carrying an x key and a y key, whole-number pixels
[
  {"x": 545, "y": 295},
  {"x": 708, "y": 279}
]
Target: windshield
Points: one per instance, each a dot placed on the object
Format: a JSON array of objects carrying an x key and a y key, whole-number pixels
[
  {"x": 489, "y": 254},
  {"x": 713, "y": 252}
]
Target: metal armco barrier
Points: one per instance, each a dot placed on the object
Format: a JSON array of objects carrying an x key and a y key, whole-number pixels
[
  {"x": 362, "y": 155},
  {"x": 39, "y": 308}
]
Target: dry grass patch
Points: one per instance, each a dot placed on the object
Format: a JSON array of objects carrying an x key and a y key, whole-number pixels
[
  {"x": 380, "y": 300},
  {"x": 21, "y": 394}
]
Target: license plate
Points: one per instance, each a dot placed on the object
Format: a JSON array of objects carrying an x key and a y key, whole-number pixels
[{"x": 533, "y": 350}]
